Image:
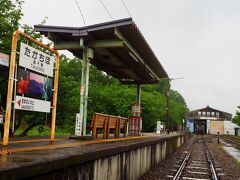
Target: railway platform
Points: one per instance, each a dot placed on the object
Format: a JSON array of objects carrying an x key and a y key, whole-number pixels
[{"x": 28, "y": 157}]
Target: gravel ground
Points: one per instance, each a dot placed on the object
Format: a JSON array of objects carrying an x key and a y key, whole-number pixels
[{"x": 227, "y": 167}]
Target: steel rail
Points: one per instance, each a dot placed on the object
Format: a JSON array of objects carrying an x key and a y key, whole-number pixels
[
  {"x": 231, "y": 140},
  {"x": 181, "y": 168},
  {"x": 210, "y": 163}
]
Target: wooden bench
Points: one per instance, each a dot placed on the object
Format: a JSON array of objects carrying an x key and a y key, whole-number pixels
[
  {"x": 99, "y": 122},
  {"x": 112, "y": 124},
  {"x": 106, "y": 123},
  {"x": 122, "y": 125}
]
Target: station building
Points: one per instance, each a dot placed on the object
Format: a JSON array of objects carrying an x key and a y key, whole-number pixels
[{"x": 211, "y": 121}]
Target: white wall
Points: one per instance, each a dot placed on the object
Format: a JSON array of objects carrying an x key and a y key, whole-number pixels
[
  {"x": 229, "y": 126},
  {"x": 208, "y": 126}
]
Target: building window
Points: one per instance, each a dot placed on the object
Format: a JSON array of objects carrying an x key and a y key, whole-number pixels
[
  {"x": 199, "y": 113},
  {"x": 213, "y": 114},
  {"x": 204, "y": 113},
  {"x": 208, "y": 114},
  {"x": 217, "y": 114}
]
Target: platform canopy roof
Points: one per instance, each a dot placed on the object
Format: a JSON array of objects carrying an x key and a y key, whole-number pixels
[{"x": 119, "y": 49}]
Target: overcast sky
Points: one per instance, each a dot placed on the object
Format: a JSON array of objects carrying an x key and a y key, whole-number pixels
[{"x": 195, "y": 39}]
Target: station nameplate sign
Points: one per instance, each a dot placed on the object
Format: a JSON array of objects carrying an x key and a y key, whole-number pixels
[{"x": 36, "y": 60}]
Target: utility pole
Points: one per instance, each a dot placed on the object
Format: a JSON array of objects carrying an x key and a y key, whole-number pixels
[{"x": 167, "y": 106}]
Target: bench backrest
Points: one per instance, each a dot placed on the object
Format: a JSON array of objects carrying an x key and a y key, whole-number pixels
[
  {"x": 112, "y": 121},
  {"x": 122, "y": 122},
  {"x": 99, "y": 120}
]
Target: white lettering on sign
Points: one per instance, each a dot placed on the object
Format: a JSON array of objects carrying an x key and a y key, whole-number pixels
[
  {"x": 36, "y": 60},
  {"x": 78, "y": 125},
  {"x": 30, "y": 104},
  {"x": 136, "y": 109},
  {"x": 4, "y": 59}
]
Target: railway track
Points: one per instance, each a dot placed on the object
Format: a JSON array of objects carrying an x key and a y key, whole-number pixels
[
  {"x": 195, "y": 163},
  {"x": 232, "y": 140}
]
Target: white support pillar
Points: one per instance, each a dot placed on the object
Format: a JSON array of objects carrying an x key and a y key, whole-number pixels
[
  {"x": 138, "y": 98},
  {"x": 87, "y": 55}
]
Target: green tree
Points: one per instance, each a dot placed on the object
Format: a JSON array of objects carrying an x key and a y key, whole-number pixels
[
  {"x": 236, "y": 118},
  {"x": 10, "y": 15},
  {"x": 68, "y": 93},
  {"x": 153, "y": 109}
]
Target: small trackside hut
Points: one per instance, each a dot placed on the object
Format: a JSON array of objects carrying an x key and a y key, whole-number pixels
[{"x": 117, "y": 48}]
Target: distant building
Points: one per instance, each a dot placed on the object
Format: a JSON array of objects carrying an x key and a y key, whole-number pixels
[{"x": 211, "y": 121}]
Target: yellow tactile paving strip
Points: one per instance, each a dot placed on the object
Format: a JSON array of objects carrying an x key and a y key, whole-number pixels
[
  {"x": 33, "y": 140},
  {"x": 8, "y": 151}
]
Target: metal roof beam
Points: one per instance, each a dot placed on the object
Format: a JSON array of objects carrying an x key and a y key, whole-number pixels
[
  {"x": 133, "y": 51},
  {"x": 138, "y": 82},
  {"x": 126, "y": 67},
  {"x": 95, "y": 44},
  {"x": 107, "y": 44},
  {"x": 67, "y": 45}
]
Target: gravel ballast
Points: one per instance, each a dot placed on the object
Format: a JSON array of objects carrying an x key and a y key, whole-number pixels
[{"x": 226, "y": 166}]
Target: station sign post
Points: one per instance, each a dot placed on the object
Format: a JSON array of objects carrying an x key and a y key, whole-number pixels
[{"x": 37, "y": 72}]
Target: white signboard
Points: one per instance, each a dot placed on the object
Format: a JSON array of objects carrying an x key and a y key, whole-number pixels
[
  {"x": 1, "y": 119},
  {"x": 36, "y": 60},
  {"x": 136, "y": 109},
  {"x": 4, "y": 59},
  {"x": 30, "y": 104},
  {"x": 78, "y": 125},
  {"x": 158, "y": 127}
]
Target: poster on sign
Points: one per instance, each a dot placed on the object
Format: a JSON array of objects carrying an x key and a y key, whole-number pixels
[
  {"x": 33, "y": 85},
  {"x": 36, "y": 60}
]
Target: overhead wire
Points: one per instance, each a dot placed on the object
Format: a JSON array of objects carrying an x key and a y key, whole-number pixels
[
  {"x": 84, "y": 22},
  {"x": 106, "y": 9},
  {"x": 126, "y": 8}
]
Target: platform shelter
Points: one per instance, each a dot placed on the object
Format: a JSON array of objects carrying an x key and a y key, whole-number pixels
[{"x": 116, "y": 47}]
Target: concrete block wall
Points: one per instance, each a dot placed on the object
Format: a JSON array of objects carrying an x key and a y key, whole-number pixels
[{"x": 131, "y": 164}]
